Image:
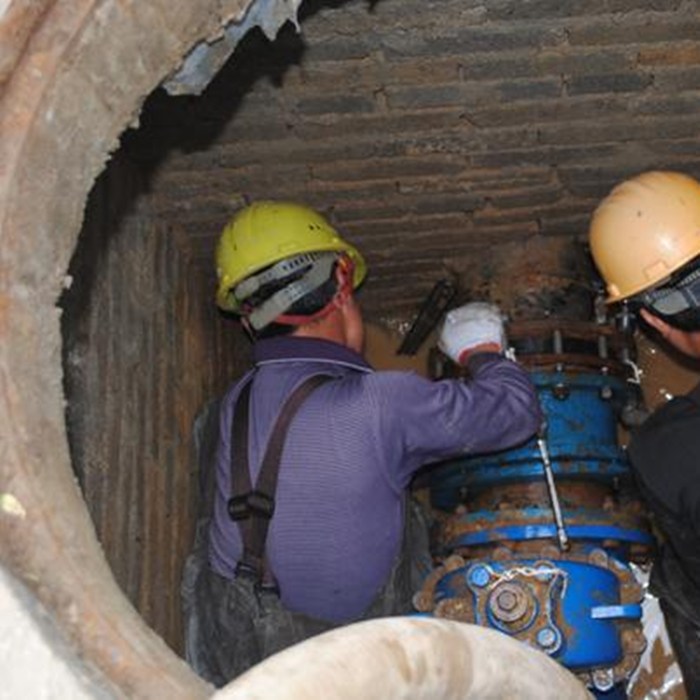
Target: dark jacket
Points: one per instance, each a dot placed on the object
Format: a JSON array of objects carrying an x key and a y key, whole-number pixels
[{"x": 665, "y": 455}]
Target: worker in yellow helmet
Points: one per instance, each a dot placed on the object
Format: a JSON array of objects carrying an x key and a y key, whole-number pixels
[
  {"x": 290, "y": 248},
  {"x": 645, "y": 240},
  {"x": 307, "y": 524}
]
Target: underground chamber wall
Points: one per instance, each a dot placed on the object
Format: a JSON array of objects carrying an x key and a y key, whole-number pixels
[
  {"x": 321, "y": 196},
  {"x": 143, "y": 351}
]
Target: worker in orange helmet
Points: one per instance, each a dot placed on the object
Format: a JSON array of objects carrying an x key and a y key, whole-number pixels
[
  {"x": 645, "y": 240},
  {"x": 307, "y": 524}
]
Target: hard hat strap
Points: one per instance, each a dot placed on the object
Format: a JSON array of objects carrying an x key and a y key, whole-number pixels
[
  {"x": 282, "y": 300},
  {"x": 345, "y": 270},
  {"x": 279, "y": 271}
]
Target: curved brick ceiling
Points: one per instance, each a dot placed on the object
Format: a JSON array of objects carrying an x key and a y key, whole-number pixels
[{"x": 439, "y": 136}]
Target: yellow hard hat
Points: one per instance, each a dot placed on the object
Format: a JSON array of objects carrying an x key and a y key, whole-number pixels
[
  {"x": 644, "y": 230},
  {"x": 267, "y": 232}
]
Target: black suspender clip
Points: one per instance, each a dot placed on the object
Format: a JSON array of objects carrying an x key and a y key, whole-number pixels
[{"x": 254, "y": 502}]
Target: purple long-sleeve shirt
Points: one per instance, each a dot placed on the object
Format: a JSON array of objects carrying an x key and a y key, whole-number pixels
[{"x": 350, "y": 452}]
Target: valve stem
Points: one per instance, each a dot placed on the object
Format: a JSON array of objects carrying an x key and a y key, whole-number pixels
[{"x": 562, "y": 535}]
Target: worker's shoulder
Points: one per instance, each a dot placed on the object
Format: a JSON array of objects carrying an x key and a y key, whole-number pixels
[
  {"x": 678, "y": 417},
  {"x": 666, "y": 446},
  {"x": 383, "y": 380},
  {"x": 392, "y": 377},
  {"x": 394, "y": 386}
]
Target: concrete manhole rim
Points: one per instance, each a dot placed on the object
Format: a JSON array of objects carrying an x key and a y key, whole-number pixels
[{"x": 52, "y": 146}]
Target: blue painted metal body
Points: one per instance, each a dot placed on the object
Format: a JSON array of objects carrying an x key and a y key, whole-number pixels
[
  {"x": 581, "y": 435},
  {"x": 569, "y": 607},
  {"x": 573, "y": 620},
  {"x": 584, "y": 525}
]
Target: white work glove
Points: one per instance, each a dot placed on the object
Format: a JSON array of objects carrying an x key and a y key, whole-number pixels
[{"x": 469, "y": 326}]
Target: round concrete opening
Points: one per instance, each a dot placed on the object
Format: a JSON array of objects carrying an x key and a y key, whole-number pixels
[{"x": 75, "y": 75}]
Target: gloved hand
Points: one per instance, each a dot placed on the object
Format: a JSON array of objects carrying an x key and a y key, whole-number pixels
[{"x": 473, "y": 326}]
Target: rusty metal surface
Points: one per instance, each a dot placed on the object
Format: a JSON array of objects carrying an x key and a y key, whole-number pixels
[
  {"x": 583, "y": 494},
  {"x": 514, "y": 601},
  {"x": 492, "y": 522},
  {"x": 561, "y": 345}
]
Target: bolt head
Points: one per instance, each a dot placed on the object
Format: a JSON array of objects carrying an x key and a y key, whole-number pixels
[
  {"x": 547, "y": 637},
  {"x": 510, "y": 602},
  {"x": 507, "y": 600},
  {"x": 479, "y": 576}
]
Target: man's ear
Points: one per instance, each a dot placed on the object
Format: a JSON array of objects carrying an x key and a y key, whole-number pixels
[{"x": 344, "y": 271}]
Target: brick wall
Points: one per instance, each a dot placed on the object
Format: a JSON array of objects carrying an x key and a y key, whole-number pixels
[
  {"x": 143, "y": 351},
  {"x": 434, "y": 133}
]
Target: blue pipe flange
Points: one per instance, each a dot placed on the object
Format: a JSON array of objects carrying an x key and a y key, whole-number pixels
[
  {"x": 618, "y": 530},
  {"x": 580, "y": 412},
  {"x": 583, "y": 609},
  {"x": 568, "y": 609}
]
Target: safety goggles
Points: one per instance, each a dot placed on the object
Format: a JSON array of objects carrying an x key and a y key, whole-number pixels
[{"x": 679, "y": 294}]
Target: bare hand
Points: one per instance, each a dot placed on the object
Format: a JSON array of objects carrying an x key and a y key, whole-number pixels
[{"x": 688, "y": 342}]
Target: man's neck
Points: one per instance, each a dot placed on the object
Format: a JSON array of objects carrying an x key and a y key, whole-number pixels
[{"x": 327, "y": 328}]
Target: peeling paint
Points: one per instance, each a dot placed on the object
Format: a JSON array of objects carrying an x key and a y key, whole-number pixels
[{"x": 205, "y": 59}]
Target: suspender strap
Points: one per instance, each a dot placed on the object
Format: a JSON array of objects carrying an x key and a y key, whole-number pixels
[
  {"x": 254, "y": 506},
  {"x": 240, "y": 476}
]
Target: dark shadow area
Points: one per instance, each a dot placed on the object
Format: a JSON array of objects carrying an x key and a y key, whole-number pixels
[
  {"x": 680, "y": 358},
  {"x": 105, "y": 215},
  {"x": 192, "y": 123}
]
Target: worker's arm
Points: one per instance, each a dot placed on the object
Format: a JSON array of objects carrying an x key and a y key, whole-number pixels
[
  {"x": 501, "y": 398},
  {"x": 422, "y": 421}
]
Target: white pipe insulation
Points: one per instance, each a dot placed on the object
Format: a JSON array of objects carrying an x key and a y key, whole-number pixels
[{"x": 407, "y": 657}]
